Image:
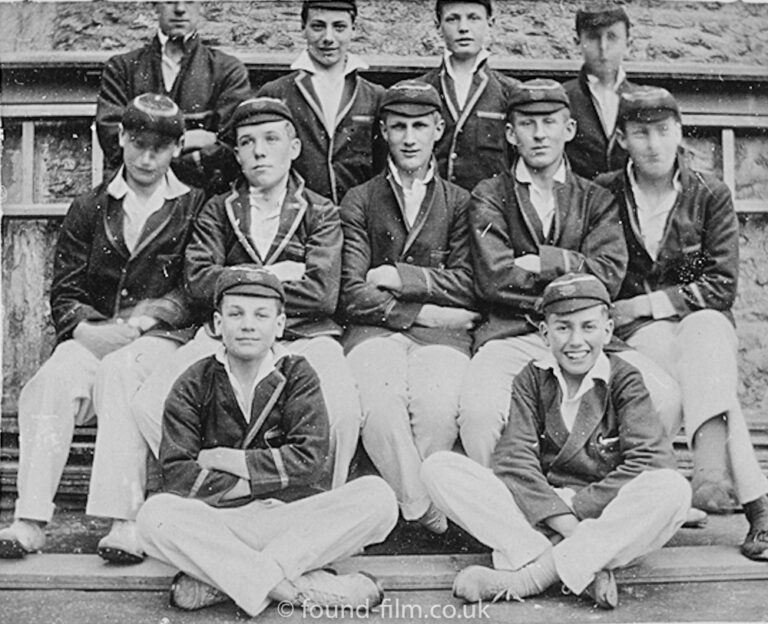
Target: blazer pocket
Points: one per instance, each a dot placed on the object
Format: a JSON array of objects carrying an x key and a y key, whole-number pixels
[
  {"x": 361, "y": 133},
  {"x": 491, "y": 131}
]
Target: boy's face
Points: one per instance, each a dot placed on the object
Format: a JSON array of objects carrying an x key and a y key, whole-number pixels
[
  {"x": 604, "y": 48},
  {"x": 411, "y": 139},
  {"x": 147, "y": 155},
  {"x": 652, "y": 146},
  {"x": 577, "y": 339},
  {"x": 265, "y": 152},
  {"x": 177, "y": 19},
  {"x": 465, "y": 28},
  {"x": 248, "y": 325},
  {"x": 328, "y": 34},
  {"x": 540, "y": 138}
]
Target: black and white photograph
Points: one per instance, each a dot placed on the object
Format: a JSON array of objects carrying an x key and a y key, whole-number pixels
[{"x": 384, "y": 310}]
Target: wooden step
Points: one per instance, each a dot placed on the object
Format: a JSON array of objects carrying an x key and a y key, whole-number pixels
[{"x": 413, "y": 572}]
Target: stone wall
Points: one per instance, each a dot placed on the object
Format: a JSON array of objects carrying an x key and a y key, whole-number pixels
[{"x": 667, "y": 32}]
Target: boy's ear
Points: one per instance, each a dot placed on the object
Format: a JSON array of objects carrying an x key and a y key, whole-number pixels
[
  {"x": 621, "y": 138},
  {"x": 280, "y": 325},
  {"x": 178, "y": 147},
  {"x": 570, "y": 129},
  {"x": 121, "y": 135},
  {"x": 217, "y": 323},
  {"x": 544, "y": 332},
  {"x": 509, "y": 132}
]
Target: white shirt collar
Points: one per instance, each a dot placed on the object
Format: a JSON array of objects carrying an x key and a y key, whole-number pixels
[
  {"x": 677, "y": 185},
  {"x": 601, "y": 370},
  {"x": 621, "y": 76},
  {"x": 482, "y": 56},
  {"x": 163, "y": 38},
  {"x": 523, "y": 174},
  {"x": 399, "y": 181},
  {"x": 245, "y": 401},
  {"x": 172, "y": 186},
  {"x": 353, "y": 63}
]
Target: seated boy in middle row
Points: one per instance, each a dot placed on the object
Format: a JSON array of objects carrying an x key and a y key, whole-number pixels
[
  {"x": 584, "y": 459},
  {"x": 407, "y": 296}
]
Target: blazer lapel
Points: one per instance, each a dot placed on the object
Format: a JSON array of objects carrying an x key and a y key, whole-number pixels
[
  {"x": 238, "y": 208},
  {"x": 589, "y": 416},
  {"x": 530, "y": 218},
  {"x": 291, "y": 215},
  {"x": 304, "y": 85},
  {"x": 113, "y": 225},
  {"x": 421, "y": 216},
  {"x": 155, "y": 224}
]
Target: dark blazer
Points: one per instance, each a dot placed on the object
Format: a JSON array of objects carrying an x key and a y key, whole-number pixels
[
  {"x": 697, "y": 265},
  {"x": 585, "y": 237},
  {"x": 432, "y": 258},
  {"x": 96, "y": 278},
  {"x": 209, "y": 86},
  {"x": 616, "y": 436},
  {"x": 592, "y": 152},
  {"x": 309, "y": 232},
  {"x": 285, "y": 450},
  {"x": 473, "y": 146},
  {"x": 331, "y": 165}
]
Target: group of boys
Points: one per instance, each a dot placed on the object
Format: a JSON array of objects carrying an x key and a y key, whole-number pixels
[{"x": 408, "y": 267}]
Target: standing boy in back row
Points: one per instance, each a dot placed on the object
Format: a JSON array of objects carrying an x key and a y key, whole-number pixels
[
  {"x": 602, "y": 34},
  {"x": 474, "y": 96}
]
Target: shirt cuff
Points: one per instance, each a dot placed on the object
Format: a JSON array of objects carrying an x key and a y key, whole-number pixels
[{"x": 661, "y": 305}]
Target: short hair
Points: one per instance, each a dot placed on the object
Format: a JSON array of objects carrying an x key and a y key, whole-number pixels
[
  {"x": 440, "y": 4},
  {"x": 305, "y": 8},
  {"x": 290, "y": 130},
  {"x": 511, "y": 114},
  {"x": 383, "y": 115},
  {"x": 621, "y": 122},
  {"x": 584, "y": 25}
]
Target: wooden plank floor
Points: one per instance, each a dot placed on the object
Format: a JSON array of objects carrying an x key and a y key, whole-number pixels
[{"x": 400, "y": 573}]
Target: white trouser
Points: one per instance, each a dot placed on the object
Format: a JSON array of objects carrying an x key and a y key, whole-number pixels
[
  {"x": 246, "y": 551},
  {"x": 700, "y": 352},
  {"x": 645, "y": 514},
  {"x": 485, "y": 395},
  {"x": 57, "y": 398},
  {"x": 323, "y": 353},
  {"x": 409, "y": 394},
  {"x": 118, "y": 478}
]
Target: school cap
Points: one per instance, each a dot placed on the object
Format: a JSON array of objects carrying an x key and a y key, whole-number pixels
[
  {"x": 260, "y": 110},
  {"x": 599, "y": 15},
  {"x": 486, "y": 3},
  {"x": 573, "y": 292},
  {"x": 330, "y": 5},
  {"x": 410, "y": 98},
  {"x": 646, "y": 105},
  {"x": 539, "y": 96},
  {"x": 250, "y": 281},
  {"x": 152, "y": 112}
]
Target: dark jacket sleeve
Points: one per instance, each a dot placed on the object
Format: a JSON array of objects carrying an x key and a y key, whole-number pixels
[
  {"x": 497, "y": 278},
  {"x": 448, "y": 285},
  {"x": 205, "y": 255},
  {"x": 517, "y": 459},
  {"x": 112, "y": 99},
  {"x": 317, "y": 292},
  {"x": 643, "y": 444},
  {"x": 305, "y": 447},
  {"x": 603, "y": 251},
  {"x": 362, "y": 302},
  {"x": 182, "y": 441},
  {"x": 70, "y": 299},
  {"x": 714, "y": 274}
]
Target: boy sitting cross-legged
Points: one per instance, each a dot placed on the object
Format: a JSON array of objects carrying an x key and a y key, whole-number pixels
[{"x": 582, "y": 480}]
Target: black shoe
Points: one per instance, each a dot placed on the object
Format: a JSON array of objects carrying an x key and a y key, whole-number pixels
[
  {"x": 755, "y": 545},
  {"x": 117, "y": 555}
]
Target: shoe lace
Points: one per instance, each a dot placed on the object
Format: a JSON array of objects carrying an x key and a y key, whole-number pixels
[{"x": 320, "y": 597}]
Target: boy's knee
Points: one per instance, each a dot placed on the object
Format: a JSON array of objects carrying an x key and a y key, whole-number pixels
[
  {"x": 157, "y": 516},
  {"x": 435, "y": 467},
  {"x": 377, "y": 497}
]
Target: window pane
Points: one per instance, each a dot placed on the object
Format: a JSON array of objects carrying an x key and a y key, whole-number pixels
[{"x": 62, "y": 160}]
